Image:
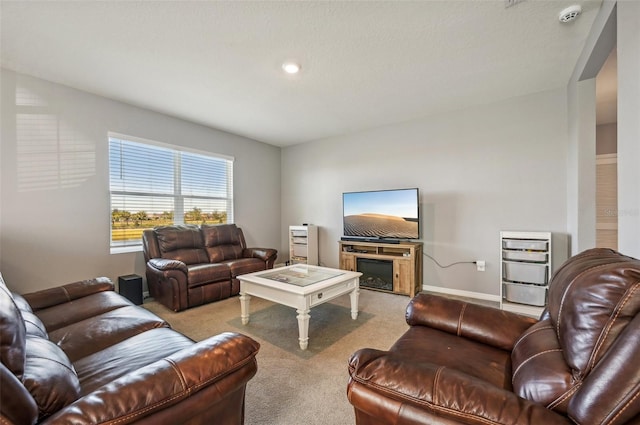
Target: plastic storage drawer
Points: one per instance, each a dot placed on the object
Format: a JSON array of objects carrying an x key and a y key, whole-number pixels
[
  {"x": 536, "y": 257},
  {"x": 299, "y": 233},
  {"x": 525, "y": 294},
  {"x": 299, "y": 250},
  {"x": 525, "y": 272},
  {"x": 525, "y": 244}
]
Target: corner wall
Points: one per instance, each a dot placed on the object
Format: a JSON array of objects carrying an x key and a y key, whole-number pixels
[
  {"x": 480, "y": 170},
  {"x": 55, "y": 206},
  {"x": 615, "y": 25},
  {"x": 628, "y": 128}
]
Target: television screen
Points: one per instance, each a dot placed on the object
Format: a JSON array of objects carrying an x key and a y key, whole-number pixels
[{"x": 381, "y": 214}]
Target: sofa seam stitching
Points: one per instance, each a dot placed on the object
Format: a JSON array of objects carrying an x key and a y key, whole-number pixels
[
  {"x": 460, "y": 319},
  {"x": 607, "y": 330},
  {"x": 527, "y": 360}
]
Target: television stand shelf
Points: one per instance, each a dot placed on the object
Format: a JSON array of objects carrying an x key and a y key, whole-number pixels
[{"x": 404, "y": 260}]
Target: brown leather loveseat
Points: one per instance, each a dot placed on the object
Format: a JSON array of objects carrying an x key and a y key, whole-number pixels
[
  {"x": 462, "y": 363},
  {"x": 189, "y": 265},
  {"x": 82, "y": 354}
]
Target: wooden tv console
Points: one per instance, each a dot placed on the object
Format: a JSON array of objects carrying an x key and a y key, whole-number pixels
[{"x": 406, "y": 258}]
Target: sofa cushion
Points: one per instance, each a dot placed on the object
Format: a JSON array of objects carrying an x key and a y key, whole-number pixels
[
  {"x": 179, "y": 236},
  {"x": 49, "y": 376},
  {"x": 187, "y": 256},
  {"x": 65, "y": 314},
  {"x": 50, "y": 297},
  {"x": 468, "y": 320},
  {"x": 540, "y": 372},
  {"x": 19, "y": 407},
  {"x": 220, "y": 234},
  {"x": 21, "y": 302},
  {"x": 221, "y": 253},
  {"x": 222, "y": 242},
  {"x": 12, "y": 333},
  {"x": 34, "y": 325},
  {"x": 203, "y": 294},
  {"x": 423, "y": 345},
  {"x": 181, "y": 242},
  {"x": 89, "y": 336},
  {"x": 127, "y": 356},
  {"x": 245, "y": 265},
  {"x": 200, "y": 274}
]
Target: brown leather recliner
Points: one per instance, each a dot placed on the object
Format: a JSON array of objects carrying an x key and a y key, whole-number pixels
[
  {"x": 461, "y": 363},
  {"x": 189, "y": 265}
]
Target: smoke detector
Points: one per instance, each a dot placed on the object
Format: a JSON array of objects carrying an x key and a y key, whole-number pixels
[{"x": 571, "y": 13}]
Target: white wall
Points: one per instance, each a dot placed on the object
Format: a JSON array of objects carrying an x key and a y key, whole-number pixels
[
  {"x": 629, "y": 128},
  {"x": 480, "y": 171},
  {"x": 55, "y": 214},
  {"x": 581, "y": 165}
]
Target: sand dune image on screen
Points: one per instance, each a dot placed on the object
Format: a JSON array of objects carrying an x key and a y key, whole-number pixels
[{"x": 380, "y": 226}]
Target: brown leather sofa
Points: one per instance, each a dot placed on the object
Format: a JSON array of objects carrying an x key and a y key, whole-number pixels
[
  {"x": 461, "y": 363},
  {"x": 83, "y": 354},
  {"x": 189, "y": 265}
]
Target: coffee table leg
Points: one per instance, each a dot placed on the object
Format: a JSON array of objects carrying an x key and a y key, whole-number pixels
[
  {"x": 354, "y": 302},
  {"x": 303, "y": 328},
  {"x": 244, "y": 308}
]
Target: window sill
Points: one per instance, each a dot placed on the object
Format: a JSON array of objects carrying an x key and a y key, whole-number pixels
[{"x": 126, "y": 249}]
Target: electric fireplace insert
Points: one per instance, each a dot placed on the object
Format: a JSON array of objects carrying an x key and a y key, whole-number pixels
[{"x": 376, "y": 274}]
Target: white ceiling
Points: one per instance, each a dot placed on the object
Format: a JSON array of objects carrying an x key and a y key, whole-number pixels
[{"x": 364, "y": 63}]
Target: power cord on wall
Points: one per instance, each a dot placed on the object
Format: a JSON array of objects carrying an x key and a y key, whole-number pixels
[{"x": 449, "y": 265}]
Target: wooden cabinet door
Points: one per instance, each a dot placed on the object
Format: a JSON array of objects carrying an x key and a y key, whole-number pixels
[
  {"x": 402, "y": 276},
  {"x": 347, "y": 262}
]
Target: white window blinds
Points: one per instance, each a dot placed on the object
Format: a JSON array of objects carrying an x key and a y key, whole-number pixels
[{"x": 155, "y": 185}]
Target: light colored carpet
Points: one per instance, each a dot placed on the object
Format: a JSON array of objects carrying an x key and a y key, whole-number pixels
[{"x": 292, "y": 386}]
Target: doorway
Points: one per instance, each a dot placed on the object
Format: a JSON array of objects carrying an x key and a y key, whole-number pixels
[{"x": 607, "y": 154}]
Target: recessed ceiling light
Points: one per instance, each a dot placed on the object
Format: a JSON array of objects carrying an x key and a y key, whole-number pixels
[
  {"x": 291, "y": 67},
  {"x": 570, "y": 13}
]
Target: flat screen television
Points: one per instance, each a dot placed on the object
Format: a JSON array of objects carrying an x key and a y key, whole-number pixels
[{"x": 381, "y": 214}]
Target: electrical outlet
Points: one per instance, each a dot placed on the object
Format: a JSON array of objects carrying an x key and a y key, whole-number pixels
[{"x": 480, "y": 265}]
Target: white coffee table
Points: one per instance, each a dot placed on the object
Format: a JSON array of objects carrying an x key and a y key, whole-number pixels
[{"x": 300, "y": 287}]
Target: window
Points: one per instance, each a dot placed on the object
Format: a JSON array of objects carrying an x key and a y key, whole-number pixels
[{"x": 155, "y": 185}]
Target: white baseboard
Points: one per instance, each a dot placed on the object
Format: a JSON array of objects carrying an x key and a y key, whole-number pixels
[
  {"x": 461, "y": 293},
  {"x": 145, "y": 294}
]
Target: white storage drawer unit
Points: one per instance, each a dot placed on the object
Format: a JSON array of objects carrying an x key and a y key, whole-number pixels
[
  {"x": 534, "y": 257},
  {"x": 299, "y": 250},
  {"x": 525, "y": 294},
  {"x": 525, "y": 244},
  {"x": 525, "y": 270},
  {"x": 303, "y": 244}
]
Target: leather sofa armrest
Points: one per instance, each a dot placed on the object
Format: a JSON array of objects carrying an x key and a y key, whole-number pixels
[
  {"x": 163, "y": 264},
  {"x": 400, "y": 391},
  {"x": 488, "y": 325},
  {"x": 71, "y": 291},
  {"x": 220, "y": 364},
  {"x": 265, "y": 254}
]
